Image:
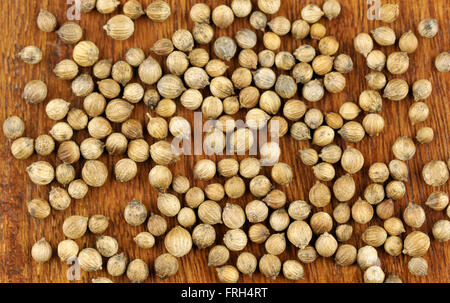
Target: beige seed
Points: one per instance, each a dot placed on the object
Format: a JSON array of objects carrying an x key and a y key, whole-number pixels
[
  {"x": 46, "y": 21},
  {"x": 428, "y": 28},
  {"x": 119, "y": 27},
  {"x": 158, "y": 11}
]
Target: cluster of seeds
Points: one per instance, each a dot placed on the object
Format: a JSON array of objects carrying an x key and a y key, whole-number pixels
[{"x": 269, "y": 101}]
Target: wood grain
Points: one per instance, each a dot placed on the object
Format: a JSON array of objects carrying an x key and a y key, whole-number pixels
[{"x": 19, "y": 231}]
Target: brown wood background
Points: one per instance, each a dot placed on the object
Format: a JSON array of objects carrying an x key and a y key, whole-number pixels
[{"x": 19, "y": 231}]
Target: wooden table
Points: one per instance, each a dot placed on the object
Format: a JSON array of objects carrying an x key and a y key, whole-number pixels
[{"x": 19, "y": 231}]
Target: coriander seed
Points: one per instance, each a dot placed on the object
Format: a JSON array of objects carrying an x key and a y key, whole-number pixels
[
  {"x": 77, "y": 119},
  {"x": 279, "y": 220},
  {"x": 305, "y": 53},
  {"x": 228, "y": 274},
  {"x": 438, "y": 201},
  {"x": 373, "y": 124},
  {"x": 346, "y": 255},
  {"x": 69, "y": 152},
  {"x": 270, "y": 266},
  {"x": 428, "y": 28},
  {"x": 98, "y": 224},
  {"x": 135, "y": 213},
  {"x": 280, "y": 25},
  {"x": 203, "y": 33},
  {"x": 300, "y": 131},
  {"x": 35, "y": 92},
  {"x": 367, "y": 256},
  {"x": 258, "y": 20},
  {"x": 352, "y": 132},
  {"x": 441, "y": 230},
  {"x": 46, "y": 21},
  {"x": 107, "y": 6},
  {"x": 269, "y": 7},
  {"x": 107, "y": 246},
  {"x": 235, "y": 239},
  {"x": 408, "y": 42},
  {"x": 75, "y": 227},
  {"x": 78, "y": 189},
  {"x": 363, "y": 44},
  {"x": 331, "y": 9},
  {"x": 65, "y": 173},
  {"x": 125, "y": 170},
  {"x": 344, "y": 188},
  {"x": 166, "y": 266},
  {"x": 418, "y": 266},
  {"x": 389, "y": 12},
  {"x": 157, "y": 225},
  {"x": 384, "y": 36},
  {"x": 116, "y": 144},
  {"x": 396, "y": 90},
  {"x": 258, "y": 233},
  {"x": 374, "y": 236},
  {"x": 397, "y": 63},
  {"x": 271, "y": 41},
  {"x": 203, "y": 236},
  {"x": 300, "y": 29},
  {"x": 442, "y": 62},
  {"x": 137, "y": 271},
  {"x": 393, "y": 246},
  {"x": 177, "y": 63},
  {"x": 41, "y": 251},
  {"x": 218, "y": 256},
  {"x": 246, "y": 263},
  {"x": 59, "y": 198},
  {"x": 414, "y": 215},
  {"x": 22, "y": 148},
  {"x": 163, "y": 47},
  {"x": 158, "y": 11},
  {"x": 117, "y": 265},
  {"x": 246, "y": 38},
  {"x": 313, "y": 91},
  {"x": 416, "y": 244},
  {"x": 13, "y": 128},
  {"x": 385, "y": 209},
  {"x": 150, "y": 71},
  {"x": 302, "y": 73},
  {"x": 30, "y": 55},
  {"x": 362, "y": 211},
  {"x": 200, "y": 13},
  {"x": 344, "y": 232},
  {"x": 133, "y": 9},
  {"x": 435, "y": 173},
  {"x": 102, "y": 69},
  {"x": 376, "y": 80},
  {"x": 335, "y": 82},
  {"x": 326, "y": 245},
  {"x": 266, "y": 58},
  {"x": 39, "y": 208},
  {"x": 119, "y": 27},
  {"x": 168, "y": 204},
  {"x": 222, "y": 16},
  {"x": 67, "y": 250},
  {"x": 322, "y": 64},
  {"x": 41, "y": 173},
  {"x": 311, "y": 13},
  {"x": 376, "y": 60},
  {"x": 85, "y": 53},
  {"x": 321, "y": 222},
  {"x": 422, "y": 89},
  {"x": 394, "y": 226},
  {"x": 343, "y": 63}
]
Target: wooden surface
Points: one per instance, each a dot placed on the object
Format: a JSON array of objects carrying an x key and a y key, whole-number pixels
[{"x": 18, "y": 230}]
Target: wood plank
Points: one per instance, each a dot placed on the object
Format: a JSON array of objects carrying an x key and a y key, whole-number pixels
[{"x": 18, "y": 231}]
